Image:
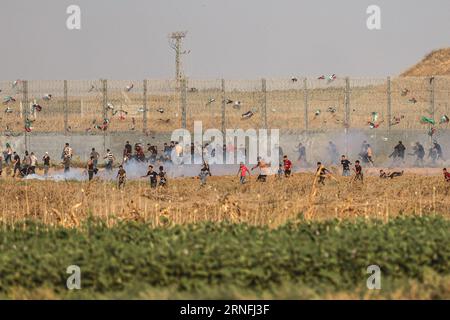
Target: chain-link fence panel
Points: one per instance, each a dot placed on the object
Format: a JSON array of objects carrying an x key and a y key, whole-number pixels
[
  {"x": 45, "y": 110},
  {"x": 410, "y": 99},
  {"x": 85, "y": 106},
  {"x": 245, "y": 107},
  {"x": 124, "y": 107},
  {"x": 326, "y": 103},
  {"x": 442, "y": 103},
  {"x": 205, "y": 101},
  {"x": 101, "y": 106},
  {"x": 163, "y": 106},
  {"x": 286, "y": 104},
  {"x": 11, "y": 119},
  {"x": 369, "y": 103}
]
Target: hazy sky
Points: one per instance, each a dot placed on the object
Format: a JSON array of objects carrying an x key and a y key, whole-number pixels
[{"x": 239, "y": 39}]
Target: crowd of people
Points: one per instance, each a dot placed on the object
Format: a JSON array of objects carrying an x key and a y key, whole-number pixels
[{"x": 26, "y": 165}]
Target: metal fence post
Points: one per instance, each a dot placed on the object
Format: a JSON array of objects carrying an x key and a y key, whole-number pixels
[
  {"x": 347, "y": 112},
  {"x": 66, "y": 107},
  {"x": 431, "y": 111},
  {"x": 347, "y": 103},
  {"x": 264, "y": 103},
  {"x": 432, "y": 105},
  {"x": 144, "y": 114},
  {"x": 305, "y": 101},
  {"x": 105, "y": 98},
  {"x": 25, "y": 110},
  {"x": 389, "y": 103},
  {"x": 223, "y": 106},
  {"x": 105, "y": 108},
  {"x": 183, "y": 102}
]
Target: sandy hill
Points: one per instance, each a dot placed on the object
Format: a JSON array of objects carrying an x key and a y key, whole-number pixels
[{"x": 436, "y": 63}]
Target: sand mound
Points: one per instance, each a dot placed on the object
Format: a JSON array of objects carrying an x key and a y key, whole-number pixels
[{"x": 436, "y": 63}]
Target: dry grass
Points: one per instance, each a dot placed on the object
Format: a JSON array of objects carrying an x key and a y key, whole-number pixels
[{"x": 184, "y": 201}]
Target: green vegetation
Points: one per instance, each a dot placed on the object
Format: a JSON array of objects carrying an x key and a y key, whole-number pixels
[{"x": 225, "y": 260}]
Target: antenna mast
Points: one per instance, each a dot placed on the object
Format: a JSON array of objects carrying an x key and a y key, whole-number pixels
[{"x": 175, "y": 43}]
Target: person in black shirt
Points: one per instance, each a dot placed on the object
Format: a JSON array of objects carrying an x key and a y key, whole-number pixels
[
  {"x": 26, "y": 163},
  {"x": 192, "y": 152},
  {"x": 162, "y": 177},
  {"x": 46, "y": 160},
  {"x": 333, "y": 152},
  {"x": 153, "y": 176},
  {"x": 345, "y": 166},
  {"x": 127, "y": 151},
  {"x": 399, "y": 152},
  {"x": 224, "y": 153},
  {"x": 438, "y": 148},
  {"x": 91, "y": 168},
  {"x": 419, "y": 152},
  {"x": 301, "y": 149},
  {"x": 16, "y": 162}
]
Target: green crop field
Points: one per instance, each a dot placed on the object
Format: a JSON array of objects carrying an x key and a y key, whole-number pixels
[{"x": 306, "y": 259}]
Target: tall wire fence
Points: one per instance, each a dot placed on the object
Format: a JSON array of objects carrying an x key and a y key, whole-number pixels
[{"x": 151, "y": 106}]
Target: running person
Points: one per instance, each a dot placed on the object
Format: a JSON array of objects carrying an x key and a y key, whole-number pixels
[
  {"x": 90, "y": 168},
  {"x": 345, "y": 166},
  {"x": 202, "y": 175},
  {"x": 322, "y": 172},
  {"x": 287, "y": 166},
  {"x": 419, "y": 152},
  {"x": 358, "y": 172},
  {"x": 121, "y": 177},
  {"x": 46, "y": 161},
  {"x": 301, "y": 154},
  {"x": 153, "y": 176},
  {"x": 446, "y": 174},
  {"x": 263, "y": 167},
  {"x": 399, "y": 152},
  {"x": 33, "y": 163},
  {"x": 280, "y": 171},
  {"x": 16, "y": 163},
  {"x": 109, "y": 157},
  {"x": 95, "y": 156},
  {"x": 8, "y": 154},
  {"x": 369, "y": 155},
  {"x": 204, "y": 172},
  {"x": 242, "y": 172},
  {"x": 67, "y": 157},
  {"x": 127, "y": 151},
  {"x": 162, "y": 177},
  {"x": 26, "y": 163}
]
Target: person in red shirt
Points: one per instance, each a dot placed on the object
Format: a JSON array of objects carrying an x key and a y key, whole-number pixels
[
  {"x": 446, "y": 174},
  {"x": 358, "y": 172},
  {"x": 287, "y": 166},
  {"x": 243, "y": 170}
]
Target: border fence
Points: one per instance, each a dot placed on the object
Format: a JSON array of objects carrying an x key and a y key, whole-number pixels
[{"x": 97, "y": 107}]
